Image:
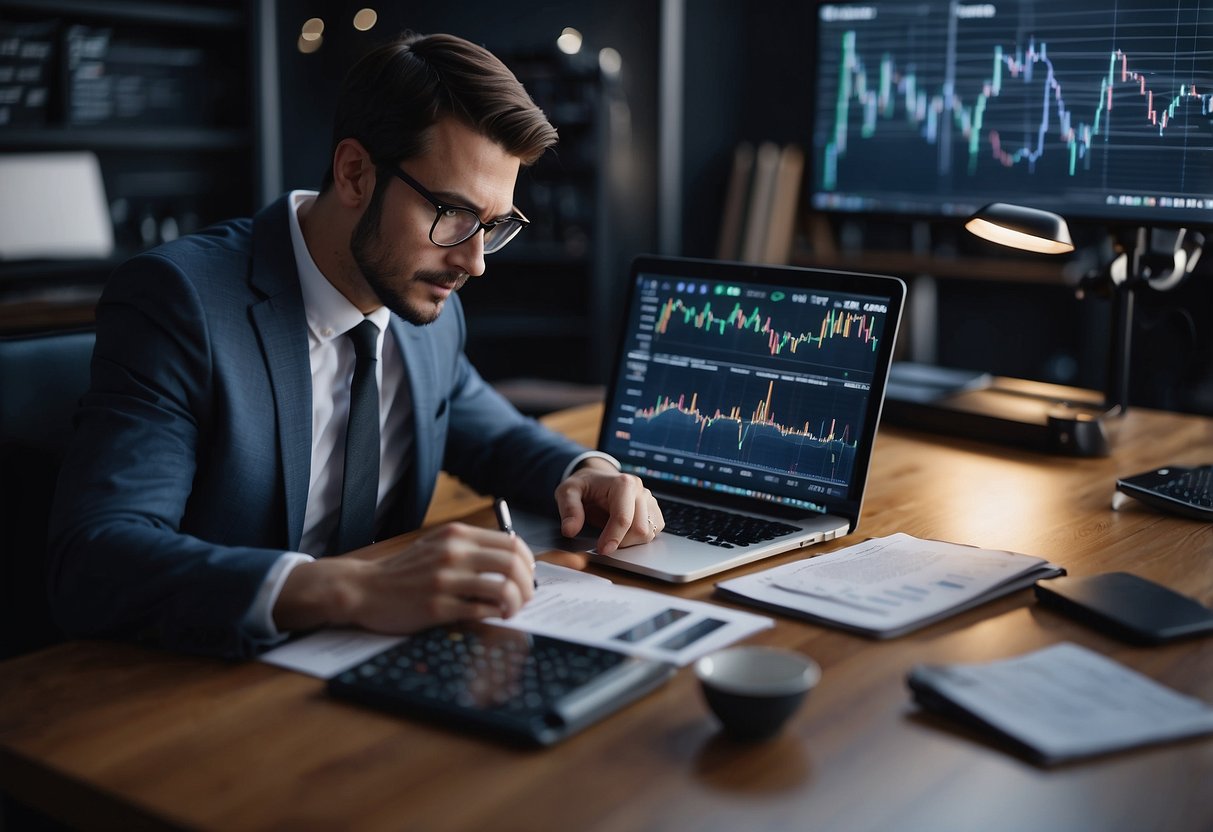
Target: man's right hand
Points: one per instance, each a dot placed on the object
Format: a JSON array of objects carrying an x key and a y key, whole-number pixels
[{"x": 452, "y": 573}]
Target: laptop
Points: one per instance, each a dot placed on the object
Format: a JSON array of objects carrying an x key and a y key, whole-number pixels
[{"x": 747, "y": 397}]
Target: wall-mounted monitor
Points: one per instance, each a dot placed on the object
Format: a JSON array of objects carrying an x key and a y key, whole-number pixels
[{"x": 1099, "y": 109}]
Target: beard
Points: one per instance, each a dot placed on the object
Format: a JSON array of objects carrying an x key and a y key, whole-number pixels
[{"x": 386, "y": 280}]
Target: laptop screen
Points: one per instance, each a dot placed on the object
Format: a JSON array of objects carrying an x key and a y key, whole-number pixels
[{"x": 762, "y": 383}]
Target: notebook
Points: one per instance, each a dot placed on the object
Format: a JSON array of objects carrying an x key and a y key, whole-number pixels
[{"x": 748, "y": 396}]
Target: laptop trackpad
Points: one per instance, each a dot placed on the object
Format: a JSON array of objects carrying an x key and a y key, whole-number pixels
[
  {"x": 667, "y": 557},
  {"x": 542, "y": 533}
]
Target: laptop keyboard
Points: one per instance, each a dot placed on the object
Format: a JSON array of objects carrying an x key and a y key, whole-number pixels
[{"x": 719, "y": 528}]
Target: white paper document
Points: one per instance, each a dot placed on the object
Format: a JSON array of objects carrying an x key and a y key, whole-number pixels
[
  {"x": 888, "y": 586},
  {"x": 571, "y": 605},
  {"x": 638, "y": 622},
  {"x": 328, "y": 652},
  {"x": 1062, "y": 702}
]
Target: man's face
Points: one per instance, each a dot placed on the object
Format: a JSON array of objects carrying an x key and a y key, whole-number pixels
[{"x": 391, "y": 244}]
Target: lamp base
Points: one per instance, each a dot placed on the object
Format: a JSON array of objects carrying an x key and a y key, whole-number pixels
[{"x": 1050, "y": 418}]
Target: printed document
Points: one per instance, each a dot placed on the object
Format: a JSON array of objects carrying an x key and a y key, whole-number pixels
[
  {"x": 888, "y": 586},
  {"x": 639, "y": 622}
]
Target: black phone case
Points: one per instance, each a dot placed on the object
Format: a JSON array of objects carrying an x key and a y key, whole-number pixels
[{"x": 1127, "y": 606}]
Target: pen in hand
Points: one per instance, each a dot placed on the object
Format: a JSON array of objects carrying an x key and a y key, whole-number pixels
[{"x": 504, "y": 521}]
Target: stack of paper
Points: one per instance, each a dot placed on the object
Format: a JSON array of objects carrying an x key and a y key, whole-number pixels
[{"x": 888, "y": 586}]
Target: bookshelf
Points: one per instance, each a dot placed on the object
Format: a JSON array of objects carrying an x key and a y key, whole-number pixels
[{"x": 160, "y": 94}]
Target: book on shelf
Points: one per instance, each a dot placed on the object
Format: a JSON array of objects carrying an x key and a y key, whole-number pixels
[
  {"x": 762, "y": 202},
  {"x": 785, "y": 205},
  {"x": 737, "y": 195},
  {"x": 888, "y": 586},
  {"x": 762, "y": 195}
]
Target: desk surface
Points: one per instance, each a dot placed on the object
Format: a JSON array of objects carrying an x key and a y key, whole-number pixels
[{"x": 122, "y": 737}]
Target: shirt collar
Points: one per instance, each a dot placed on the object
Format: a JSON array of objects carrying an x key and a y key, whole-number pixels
[{"x": 329, "y": 313}]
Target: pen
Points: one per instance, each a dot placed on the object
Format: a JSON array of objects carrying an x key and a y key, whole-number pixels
[{"x": 504, "y": 521}]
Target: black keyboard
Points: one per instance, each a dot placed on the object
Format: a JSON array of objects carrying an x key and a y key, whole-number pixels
[
  {"x": 508, "y": 683},
  {"x": 719, "y": 528},
  {"x": 1180, "y": 490}
]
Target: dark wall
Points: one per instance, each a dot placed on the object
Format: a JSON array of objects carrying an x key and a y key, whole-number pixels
[{"x": 749, "y": 77}]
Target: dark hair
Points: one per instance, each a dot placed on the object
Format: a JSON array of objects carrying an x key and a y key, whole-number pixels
[{"x": 395, "y": 93}]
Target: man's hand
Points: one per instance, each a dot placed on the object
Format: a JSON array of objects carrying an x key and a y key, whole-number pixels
[
  {"x": 455, "y": 572},
  {"x": 618, "y": 503}
]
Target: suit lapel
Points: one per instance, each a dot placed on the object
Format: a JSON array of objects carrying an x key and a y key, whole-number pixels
[{"x": 281, "y": 326}]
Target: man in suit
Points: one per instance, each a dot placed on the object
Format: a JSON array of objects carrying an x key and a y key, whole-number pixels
[{"x": 206, "y": 503}]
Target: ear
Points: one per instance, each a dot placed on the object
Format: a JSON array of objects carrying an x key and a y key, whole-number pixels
[{"x": 353, "y": 174}]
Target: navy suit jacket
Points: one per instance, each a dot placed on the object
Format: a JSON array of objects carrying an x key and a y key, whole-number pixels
[{"x": 188, "y": 473}]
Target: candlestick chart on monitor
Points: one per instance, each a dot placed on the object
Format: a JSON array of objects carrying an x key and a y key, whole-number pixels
[{"x": 1093, "y": 109}]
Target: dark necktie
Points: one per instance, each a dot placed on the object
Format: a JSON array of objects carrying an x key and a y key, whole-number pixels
[{"x": 360, "y": 483}]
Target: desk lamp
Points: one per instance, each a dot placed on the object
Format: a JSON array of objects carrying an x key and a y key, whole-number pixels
[
  {"x": 1044, "y": 416},
  {"x": 1029, "y": 229},
  {"x": 1160, "y": 258}
]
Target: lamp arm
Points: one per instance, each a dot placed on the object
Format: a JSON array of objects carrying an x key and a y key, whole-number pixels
[{"x": 1155, "y": 257}]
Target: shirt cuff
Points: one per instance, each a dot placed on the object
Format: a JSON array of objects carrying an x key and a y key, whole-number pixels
[
  {"x": 259, "y": 620},
  {"x": 580, "y": 458}
]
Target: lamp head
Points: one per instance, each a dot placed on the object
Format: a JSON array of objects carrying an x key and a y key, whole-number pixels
[{"x": 1020, "y": 227}]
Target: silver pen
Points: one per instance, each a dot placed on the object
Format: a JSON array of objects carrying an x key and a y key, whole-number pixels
[{"x": 505, "y": 522}]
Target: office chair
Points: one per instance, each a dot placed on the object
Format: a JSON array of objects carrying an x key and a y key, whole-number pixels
[{"x": 42, "y": 377}]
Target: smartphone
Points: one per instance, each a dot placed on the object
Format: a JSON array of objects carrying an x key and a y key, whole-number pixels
[{"x": 1127, "y": 606}]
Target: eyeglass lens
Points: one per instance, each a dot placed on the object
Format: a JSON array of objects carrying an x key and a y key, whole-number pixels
[{"x": 454, "y": 225}]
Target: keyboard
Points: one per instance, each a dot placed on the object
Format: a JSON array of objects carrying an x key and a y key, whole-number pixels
[
  {"x": 505, "y": 683},
  {"x": 725, "y": 529},
  {"x": 1180, "y": 490}
]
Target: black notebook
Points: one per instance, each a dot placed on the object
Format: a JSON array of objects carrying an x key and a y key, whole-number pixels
[{"x": 501, "y": 682}]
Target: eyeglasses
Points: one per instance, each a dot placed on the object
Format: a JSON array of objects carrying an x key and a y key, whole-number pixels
[{"x": 454, "y": 224}]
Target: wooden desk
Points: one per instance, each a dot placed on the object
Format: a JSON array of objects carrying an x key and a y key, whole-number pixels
[{"x": 120, "y": 737}]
